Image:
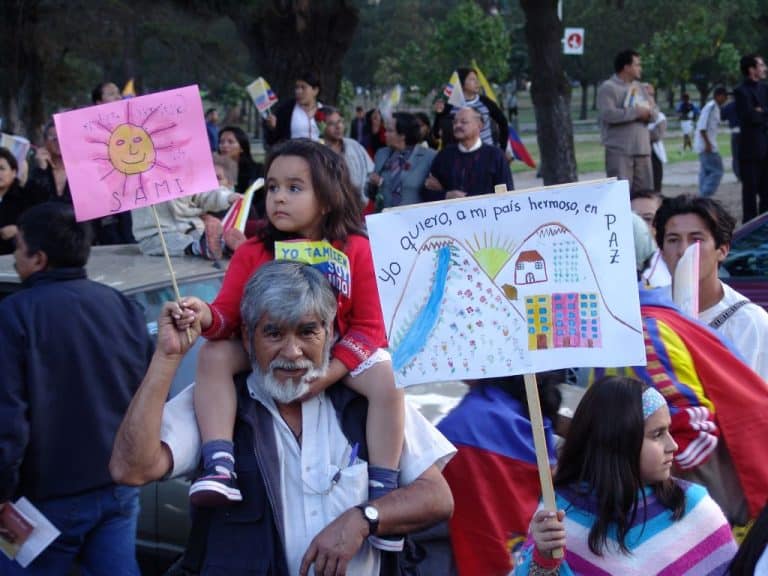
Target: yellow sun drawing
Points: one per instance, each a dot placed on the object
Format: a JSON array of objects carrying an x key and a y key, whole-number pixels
[
  {"x": 491, "y": 253},
  {"x": 132, "y": 150}
]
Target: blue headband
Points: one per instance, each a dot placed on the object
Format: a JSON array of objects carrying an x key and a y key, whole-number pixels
[{"x": 652, "y": 401}]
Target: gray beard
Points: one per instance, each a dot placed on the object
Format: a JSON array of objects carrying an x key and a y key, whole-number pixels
[{"x": 292, "y": 389}]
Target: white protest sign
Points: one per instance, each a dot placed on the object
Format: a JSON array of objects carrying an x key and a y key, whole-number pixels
[{"x": 509, "y": 283}]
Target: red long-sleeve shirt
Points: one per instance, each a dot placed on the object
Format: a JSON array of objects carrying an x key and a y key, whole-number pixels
[{"x": 359, "y": 321}]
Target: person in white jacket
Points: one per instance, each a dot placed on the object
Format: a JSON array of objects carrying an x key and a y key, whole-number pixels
[{"x": 188, "y": 223}]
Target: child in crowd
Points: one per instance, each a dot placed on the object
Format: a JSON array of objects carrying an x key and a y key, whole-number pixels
[
  {"x": 308, "y": 197},
  {"x": 189, "y": 223},
  {"x": 619, "y": 510}
]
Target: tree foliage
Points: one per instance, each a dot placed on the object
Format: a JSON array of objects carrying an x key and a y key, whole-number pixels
[
  {"x": 697, "y": 48},
  {"x": 419, "y": 47}
]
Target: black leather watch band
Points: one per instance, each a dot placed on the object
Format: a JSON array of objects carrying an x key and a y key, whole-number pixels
[{"x": 370, "y": 515}]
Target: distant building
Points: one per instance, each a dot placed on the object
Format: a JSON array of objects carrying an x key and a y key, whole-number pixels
[{"x": 530, "y": 268}]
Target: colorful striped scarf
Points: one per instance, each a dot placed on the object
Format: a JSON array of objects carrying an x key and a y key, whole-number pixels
[{"x": 699, "y": 543}]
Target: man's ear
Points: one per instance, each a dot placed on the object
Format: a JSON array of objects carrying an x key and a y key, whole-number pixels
[
  {"x": 722, "y": 252},
  {"x": 244, "y": 339},
  {"x": 39, "y": 261}
]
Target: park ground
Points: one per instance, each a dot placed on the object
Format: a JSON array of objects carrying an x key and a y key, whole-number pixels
[{"x": 681, "y": 172}]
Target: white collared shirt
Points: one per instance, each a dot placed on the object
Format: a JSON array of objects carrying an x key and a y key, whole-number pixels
[
  {"x": 475, "y": 146},
  {"x": 302, "y": 126},
  {"x": 311, "y": 500}
]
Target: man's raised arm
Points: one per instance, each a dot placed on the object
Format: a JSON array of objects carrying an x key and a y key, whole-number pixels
[{"x": 138, "y": 455}]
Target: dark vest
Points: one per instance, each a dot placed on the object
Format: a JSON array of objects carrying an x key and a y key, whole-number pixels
[{"x": 245, "y": 538}]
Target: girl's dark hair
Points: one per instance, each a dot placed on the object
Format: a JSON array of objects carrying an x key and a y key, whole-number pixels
[
  {"x": 601, "y": 459},
  {"x": 332, "y": 186},
  {"x": 463, "y": 72},
  {"x": 406, "y": 124},
  {"x": 10, "y": 158},
  {"x": 242, "y": 139},
  {"x": 549, "y": 394}
]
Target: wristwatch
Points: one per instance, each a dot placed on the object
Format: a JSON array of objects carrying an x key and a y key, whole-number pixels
[{"x": 371, "y": 515}]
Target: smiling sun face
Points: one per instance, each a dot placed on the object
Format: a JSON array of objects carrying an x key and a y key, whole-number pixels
[{"x": 131, "y": 150}]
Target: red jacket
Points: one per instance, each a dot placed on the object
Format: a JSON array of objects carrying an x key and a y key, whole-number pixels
[{"x": 359, "y": 321}]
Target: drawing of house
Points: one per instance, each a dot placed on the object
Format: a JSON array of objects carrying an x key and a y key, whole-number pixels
[
  {"x": 530, "y": 268},
  {"x": 538, "y": 312}
]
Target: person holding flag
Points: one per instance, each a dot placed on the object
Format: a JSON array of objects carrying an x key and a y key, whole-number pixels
[{"x": 464, "y": 91}]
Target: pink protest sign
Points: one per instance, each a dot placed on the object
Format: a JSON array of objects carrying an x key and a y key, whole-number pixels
[{"x": 134, "y": 153}]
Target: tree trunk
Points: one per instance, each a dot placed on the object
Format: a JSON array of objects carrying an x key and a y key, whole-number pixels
[
  {"x": 550, "y": 91},
  {"x": 584, "y": 98},
  {"x": 21, "y": 95},
  {"x": 595, "y": 86},
  {"x": 289, "y": 37}
]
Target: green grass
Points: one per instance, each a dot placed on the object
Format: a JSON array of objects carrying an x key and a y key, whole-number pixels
[{"x": 590, "y": 156}]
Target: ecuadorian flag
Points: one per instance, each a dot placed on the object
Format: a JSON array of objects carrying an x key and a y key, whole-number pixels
[
  {"x": 518, "y": 148},
  {"x": 493, "y": 477}
]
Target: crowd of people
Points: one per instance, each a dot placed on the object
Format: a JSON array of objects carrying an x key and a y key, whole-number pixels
[
  {"x": 633, "y": 127},
  {"x": 306, "y": 456}
]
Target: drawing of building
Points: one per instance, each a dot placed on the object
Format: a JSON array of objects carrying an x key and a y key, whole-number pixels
[
  {"x": 563, "y": 320},
  {"x": 538, "y": 311},
  {"x": 530, "y": 268},
  {"x": 589, "y": 320},
  {"x": 565, "y": 315}
]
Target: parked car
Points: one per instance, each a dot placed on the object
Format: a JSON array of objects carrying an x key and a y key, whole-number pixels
[
  {"x": 164, "y": 518},
  {"x": 746, "y": 266}
]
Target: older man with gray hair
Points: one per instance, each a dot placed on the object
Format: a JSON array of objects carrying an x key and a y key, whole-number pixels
[{"x": 304, "y": 495}]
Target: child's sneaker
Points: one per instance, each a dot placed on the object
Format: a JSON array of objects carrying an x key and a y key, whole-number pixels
[{"x": 213, "y": 490}]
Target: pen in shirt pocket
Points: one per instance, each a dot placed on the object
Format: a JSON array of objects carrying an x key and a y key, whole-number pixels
[{"x": 353, "y": 454}]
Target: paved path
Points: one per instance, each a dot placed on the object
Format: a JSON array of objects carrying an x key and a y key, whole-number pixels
[{"x": 679, "y": 178}]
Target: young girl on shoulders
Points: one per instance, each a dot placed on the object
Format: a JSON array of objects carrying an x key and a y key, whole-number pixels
[
  {"x": 619, "y": 510},
  {"x": 308, "y": 197}
]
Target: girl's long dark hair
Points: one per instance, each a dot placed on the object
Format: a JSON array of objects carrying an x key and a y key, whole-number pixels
[
  {"x": 332, "y": 186},
  {"x": 600, "y": 459}
]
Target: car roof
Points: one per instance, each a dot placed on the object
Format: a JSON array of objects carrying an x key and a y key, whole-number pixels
[{"x": 125, "y": 268}]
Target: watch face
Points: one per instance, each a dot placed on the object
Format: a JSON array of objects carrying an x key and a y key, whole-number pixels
[{"x": 371, "y": 513}]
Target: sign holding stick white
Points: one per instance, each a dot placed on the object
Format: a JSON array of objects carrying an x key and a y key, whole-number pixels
[{"x": 509, "y": 283}]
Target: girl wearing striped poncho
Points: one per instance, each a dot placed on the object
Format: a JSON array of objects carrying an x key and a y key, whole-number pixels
[{"x": 619, "y": 510}]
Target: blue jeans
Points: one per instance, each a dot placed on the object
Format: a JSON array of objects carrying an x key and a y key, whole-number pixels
[
  {"x": 98, "y": 529},
  {"x": 710, "y": 173}
]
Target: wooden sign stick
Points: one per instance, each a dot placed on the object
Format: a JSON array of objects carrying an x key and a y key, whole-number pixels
[
  {"x": 168, "y": 262},
  {"x": 539, "y": 439}
]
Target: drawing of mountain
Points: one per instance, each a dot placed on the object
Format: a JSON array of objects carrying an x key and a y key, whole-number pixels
[
  {"x": 557, "y": 289},
  {"x": 453, "y": 320}
]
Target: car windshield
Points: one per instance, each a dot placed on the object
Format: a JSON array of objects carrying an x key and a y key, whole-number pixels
[
  {"x": 152, "y": 300},
  {"x": 748, "y": 256}
]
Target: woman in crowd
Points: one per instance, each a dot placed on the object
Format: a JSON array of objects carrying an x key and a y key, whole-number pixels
[
  {"x": 425, "y": 131},
  {"x": 619, "y": 510},
  {"x": 296, "y": 117},
  {"x": 234, "y": 144},
  {"x": 400, "y": 168},
  {"x": 487, "y": 108},
  {"x": 12, "y": 201},
  {"x": 374, "y": 133}
]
